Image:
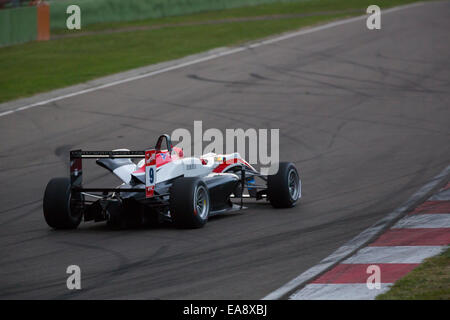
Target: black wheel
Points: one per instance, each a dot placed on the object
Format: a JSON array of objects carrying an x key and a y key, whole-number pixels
[
  {"x": 284, "y": 188},
  {"x": 189, "y": 203},
  {"x": 61, "y": 209}
]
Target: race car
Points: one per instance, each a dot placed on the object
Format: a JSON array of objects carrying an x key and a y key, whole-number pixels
[{"x": 164, "y": 186}]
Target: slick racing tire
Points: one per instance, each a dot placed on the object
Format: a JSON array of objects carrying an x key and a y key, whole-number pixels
[
  {"x": 189, "y": 202},
  {"x": 61, "y": 211},
  {"x": 284, "y": 188}
]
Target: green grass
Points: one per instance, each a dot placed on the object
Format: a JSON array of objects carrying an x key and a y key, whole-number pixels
[
  {"x": 37, "y": 67},
  {"x": 302, "y": 7},
  {"x": 429, "y": 281}
]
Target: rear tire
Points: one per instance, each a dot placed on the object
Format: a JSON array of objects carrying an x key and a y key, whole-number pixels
[
  {"x": 284, "y": 188},
  {"x": 189, "y": 203},
  {"x": 60, "y": 210}
]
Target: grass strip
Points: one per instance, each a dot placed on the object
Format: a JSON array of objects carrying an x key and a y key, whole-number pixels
[{"x": 429, "y": 281}]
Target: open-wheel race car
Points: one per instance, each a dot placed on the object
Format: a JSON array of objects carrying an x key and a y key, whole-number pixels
[{"x": 164, "y": 186}]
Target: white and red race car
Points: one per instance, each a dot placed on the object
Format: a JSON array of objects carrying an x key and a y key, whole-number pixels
[{"x": 164, "y": 186}]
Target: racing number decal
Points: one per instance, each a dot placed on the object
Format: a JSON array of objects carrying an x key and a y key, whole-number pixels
[{"x": 150, "y": 173}]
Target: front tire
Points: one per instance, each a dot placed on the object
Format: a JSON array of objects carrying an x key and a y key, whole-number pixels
[
  {"x": 189, "y": 203},
  {"x": 284, "y": 188},
  {"x": 61, "y": 210}
]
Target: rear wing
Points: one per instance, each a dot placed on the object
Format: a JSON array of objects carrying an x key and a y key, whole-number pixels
[{"x": 76, "y": 169}]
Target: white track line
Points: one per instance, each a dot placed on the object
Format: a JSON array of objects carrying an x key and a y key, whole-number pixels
[
  {"x": 441, "y": 196},
  {"x": 341, "y": 291},
  {"x": 429, "y": 220},
  {"x": 207, "y": 58},
  {"x": 359, "y": 241},
  {"x": 394, "y": 254}
]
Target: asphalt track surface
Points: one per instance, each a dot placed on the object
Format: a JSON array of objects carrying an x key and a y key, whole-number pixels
[{"x": 363, "y": 114}]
